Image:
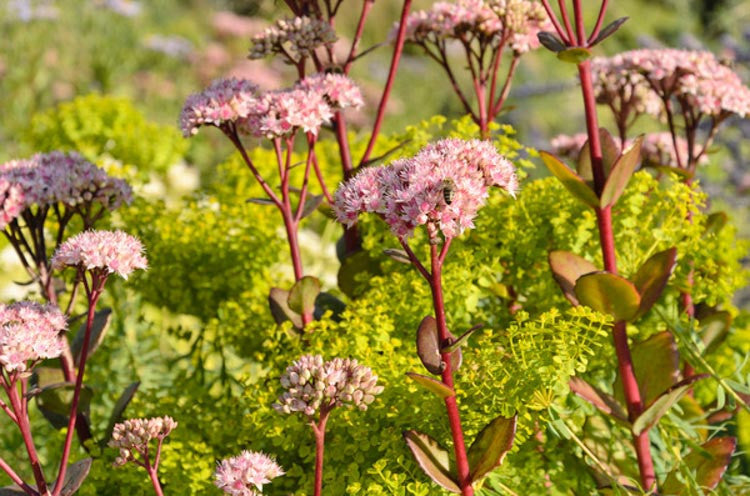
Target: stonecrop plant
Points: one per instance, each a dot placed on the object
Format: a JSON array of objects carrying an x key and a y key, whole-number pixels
[{"x": 420, "y": 313}]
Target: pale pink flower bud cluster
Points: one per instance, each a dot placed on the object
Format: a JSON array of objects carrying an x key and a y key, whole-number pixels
[
  {"x": 29, "y": 332},
  {"x": 296, "y": 38},
  {"x": 247, "y": 473},
  {"x": 658, "y": 150},
  {"x": 108, "y": 251},
  {"x": 625, "y": 90},
  {"x": 568, "y": 146},
  {"x": 442, "y": 187},
  {"x": 225, "y": 100},
  {"x": 57, "y": 178},
  {"x": 517, "y": 20},
  {"x": 133, "y": 436},
  {"x": 312, "y": 385},
  {"x": 306, "y": 106},
  {"x": 696, "y": 78}
]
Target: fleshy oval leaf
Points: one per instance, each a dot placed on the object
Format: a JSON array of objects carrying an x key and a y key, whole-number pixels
[
  {"x": 574, "y": 55},
  {"x": 490, "y": 446},
  {"x": 621, "y": 172},
  {"x": 609, "y": 294},
  {"x": 550, "y": 41},
  {"x": 567, "y": 268},
  {"x": 601, "y": 400},
  {"x": 656, "y": 362},
  {"x": 74, "y": 476},
  {"x": 428, "y": 345},
  {"x": 433, "y": 459},
  {"x": 656, "y": 410},
  {"x": 302, "y": 296},
  {"x": 609, "y": 30},
  {"x": 277, "y": 302},
  {"x": 610, "y": 154},
  {"x": 572, "y": 182},
  {"x": 652, "y": 277},
  {"x": 707, "y": 463},
  {"x": 432, "y": 385}
]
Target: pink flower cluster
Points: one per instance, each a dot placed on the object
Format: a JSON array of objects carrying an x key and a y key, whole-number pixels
[
  {"x": 442, "y": 187},
  {"x": 29, "y": 332},
  {"x": 306, "y": 106},
  {"x": 517, "y": 20},
  {"x": 133, "y": 436},
  {"x": 312, "y": 384},
  {"x": 245, "y": 474},
  {"x": 696, "y": 78},
  {"x": 624, "y": 90},
  {"x": 568, "y": 146},
  {"x": 658, "y": 150},
  {"x": 109, "y": 251},
  {"x": 295, "y": 38},
  {"x": 57, "y": 178}
]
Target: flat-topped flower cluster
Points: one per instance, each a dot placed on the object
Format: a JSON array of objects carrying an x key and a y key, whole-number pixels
[
  {"x": 294, "y": 38},
  {"x": 133, "y": 436},
  {"x": 695, "y": 78},
  {"x": 312, "y": 385},
  {"x": 29, "y": 332},
  {"x": 517, "y": 21},
  {"x": 109, "y": 251},
  {"x": 442, "y": 187},
  {"x": 305, "y": 106},
  {"x": 246, "y": 473},
  {"x": 57, "y": 178}
]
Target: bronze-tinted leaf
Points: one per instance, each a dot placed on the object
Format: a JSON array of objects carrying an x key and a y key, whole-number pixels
[
  {"x": 461, "y": 340},
  {"x": 99, "y": 326},
  {"x": 715, "y": 329},
  {"x": 432, "y": 385},
  {"x": 657, "y": 366},
  {"x": 621, "y": 173},
  {"x": 116, "y": 416},
  {"x": 609, "y": 30},
  {"x": 352, "y": 266},
  {"x": 566, "y": 268},
  {"x": 572, "y": 182},
  {"x": 302, "y": 296},
  {"x": 716, "y": 222},
  {"x": 707, "y": 465},
  {"x": 656, "y": 410},
  {"x": 550, "y": 41},
  {"x": 610, "y": 154},
  {"x": 652, "y": 278},
  {"x": 428, "y": 345},
  {"x": 398, "y": 255},
  {"x": 601, "y": 400},
  {"x": 54, "y": 401},
  {"x": 490, "y": 446},
  {"x": 608, "y": 294},
  {"x": 325, "y": 302},
  {"x": 74, "y": 476},
  {"x": 277, "y": 301},
  {"x": 312, "y": 202},
  {"x": 434, "y": 460}
]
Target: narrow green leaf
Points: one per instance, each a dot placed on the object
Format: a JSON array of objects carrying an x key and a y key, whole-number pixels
[
  {"x": 277, "y": 301},
  {"x": 609, "y": 30},
  {"x": 574, "y": 55},
  {"x": 662, "y": 404},
  {"x": 707, "y": 463},
  {"x": 621, "y": 173},
  {"x": 462, "y": 340},
  {"x": 432, "y": 385},
  {"x": 99, "y": 326},
  {"x": 567, "y": 268},
  {"x": 577, "y": 187},
  {"x": 715, "y": 329},
  {"x": 657, "y": 366},
  {"x": 260, "y": 201},
  {"x": 302, "y": 296},
  {"x": 398, "y": 255},
  {"x": 601, "y": 400},
  {"x": 608, "y": 294},
  {"x": 550, "y": 41},
  {"x": 652, "y": 278},
  {"x": 433, "y": 459},
  {"x": 490, "y": 446},
  {"x": 716, "y": 222}
]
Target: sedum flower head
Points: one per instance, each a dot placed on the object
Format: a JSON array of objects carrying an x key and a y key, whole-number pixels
[
  {"x": 57, "y": 178},
  {"x": 658, "y": 149},
  {"x": 133, "y": 436},
  {"x": 442, "y": 187},
  {"x": 297, "y": 38},
  {"x": 284, "y": 112},
  {"x": 110, "y": 251},
  {"x": 623, "y": 89},
  {"x": 245, "y": 474},
  {"x": 225, "y": 100},
  {"x": 312, "y": 384},
  {"x": 29, "y": 332},
  {"x": 337, "y": 89}
]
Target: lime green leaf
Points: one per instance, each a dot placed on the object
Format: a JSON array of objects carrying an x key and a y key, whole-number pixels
[
  {"x": 621, "y": 173},
  {"x": 707, "y": 463},
  {"x": 432, "y": 385},
  {"x": 608, "y": 294},
  {"x": 278, "y": 302},
  {"x": 652, "y": 277},
  {"x": 567, "y": 268},
  {"x": 577, "y": 187},
  {"x": 662, "y": 404},
  {"x": 490, "y": 446},
  {"x": 574, "y": 55},
  {"x": 302, "y": 296},
  {"x": 433, "y": 459}
]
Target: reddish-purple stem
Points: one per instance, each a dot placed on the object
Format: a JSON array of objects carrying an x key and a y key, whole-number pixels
[
  {"x": 366, "y": 6},
  {"x": 154, "y": 480},
  {"x": 16, "y": 479},
  {"x": 397, "y": 50},
  {"x": 19, "y": 407},
  {"x": 319, "y": 429},
  {"x": 451, "y": 406},
  {"x": 558, "y": 28},
  {"x": 599, "y": 22},
  {"x": 566, "y": 19}
]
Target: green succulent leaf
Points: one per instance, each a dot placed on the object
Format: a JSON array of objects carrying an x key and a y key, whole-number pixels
[
  {"x": 621, "y": 172},
  {"x": 662, "y": 404},
  {"x": 433, "y": 459},
  {"x": 567, "y": 268},
  {"x": 432, "y": 385},
  {"x": 302, "y": 296},
  {"x": 609, "y": 294},
  {"x": 652, "y": 277},
  {"x": 572, "y": 182},
  {"x": 575, "y": 55},
  {"x": 278, "y": 302},
  {"x": 707, "y": 463},
  {"x": 490, "y": 446}
]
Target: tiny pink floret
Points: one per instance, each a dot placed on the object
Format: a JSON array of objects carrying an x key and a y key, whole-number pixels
[{"x": 246, "y": 474}]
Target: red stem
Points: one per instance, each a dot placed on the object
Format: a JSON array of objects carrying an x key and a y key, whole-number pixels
[
  {"x": 606, "y": 237},
  {"x": 97, "y": 286},
  {"x": 366, "y": 6},
  {"x": 566, "y": 20},
  {"x": 459, "y": 447},
  {"x": 19, "y": 407},
  {"x": 397, "y": 50},
  {"x": 558, "y": 28},
  {"x": 599, "y": 22},
  {"x": 16, "y": 479},
  {"x": 154, "y": 480},
  {"x": 319, "y": 430}
]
